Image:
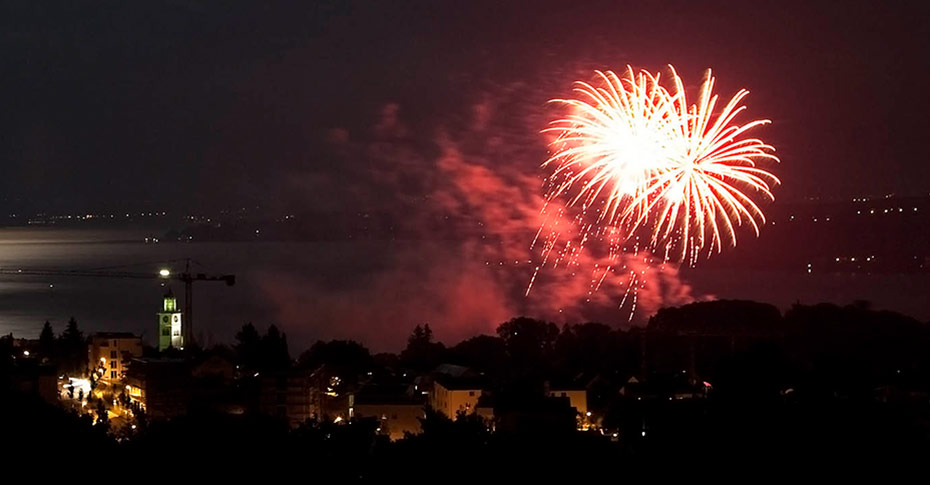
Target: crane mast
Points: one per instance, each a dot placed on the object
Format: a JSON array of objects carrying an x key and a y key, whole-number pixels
[{"x": 187, "y": 277}]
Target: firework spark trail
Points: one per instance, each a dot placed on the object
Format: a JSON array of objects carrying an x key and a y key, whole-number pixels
[{"x": 633, "y": 159}]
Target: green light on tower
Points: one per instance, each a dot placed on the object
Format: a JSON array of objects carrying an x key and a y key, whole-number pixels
[{"x": 169, "y": 324}]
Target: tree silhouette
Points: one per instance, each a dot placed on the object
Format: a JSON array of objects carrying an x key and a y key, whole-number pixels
[
  {"x": 248, "y": 346},
  {"x": 72, "y": 349},
  {"x": 529, "y": 343},
  {"x": 273, "y": 347},
  {"x": 421, "y": 352},
  {"x": 103, "y": 419},
  {"x": 47, "y": 342},
  {"x": 343, "y": 358},
  {"x": 262, "y": 353}
]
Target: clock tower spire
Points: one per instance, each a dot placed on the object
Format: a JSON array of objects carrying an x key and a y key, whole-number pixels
[{"x": 170, "y": 333}]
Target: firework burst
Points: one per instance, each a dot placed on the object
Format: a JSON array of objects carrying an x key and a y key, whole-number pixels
[{"x": 637, "y": 168}]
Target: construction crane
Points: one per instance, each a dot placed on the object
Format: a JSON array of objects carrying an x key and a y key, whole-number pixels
[{"x": 188, "y": 277}]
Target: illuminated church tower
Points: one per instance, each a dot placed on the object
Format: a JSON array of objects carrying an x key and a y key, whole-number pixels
[{"x": 169, "y": 324}]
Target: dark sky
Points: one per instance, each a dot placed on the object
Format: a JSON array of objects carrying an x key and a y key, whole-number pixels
[{"x": 203, "y": 104}]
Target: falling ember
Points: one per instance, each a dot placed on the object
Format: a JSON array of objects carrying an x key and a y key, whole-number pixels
[{"x": 635, "y": 169}]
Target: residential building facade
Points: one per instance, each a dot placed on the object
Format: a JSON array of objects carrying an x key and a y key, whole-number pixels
[{"x": 110, "y": 353}]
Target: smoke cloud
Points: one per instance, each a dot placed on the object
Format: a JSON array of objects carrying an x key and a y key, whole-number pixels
[{"x": 464, "y": 197}]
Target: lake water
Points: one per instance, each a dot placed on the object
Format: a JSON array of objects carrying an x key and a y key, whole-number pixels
[
  {"x": 327, "y": 290},
  {"x": 130, "y": 304}
]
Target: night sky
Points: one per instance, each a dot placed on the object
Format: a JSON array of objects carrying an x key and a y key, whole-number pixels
[
  {"x": 197, "y": 105},
  {"x": 427, "y": 115},
  {"x": 622, "y": 288}
]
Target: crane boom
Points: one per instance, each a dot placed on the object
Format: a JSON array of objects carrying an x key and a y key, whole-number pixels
[{"x": 187, "y": 277}]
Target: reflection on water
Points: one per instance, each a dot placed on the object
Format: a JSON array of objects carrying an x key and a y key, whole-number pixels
[
  {"x": 130, "y": 304},
  {"x": 342, "y": 267}
]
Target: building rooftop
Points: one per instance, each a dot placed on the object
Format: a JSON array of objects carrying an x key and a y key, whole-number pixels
[
  {"x": 460, "y": 383},
  {"x": 389, "y": 394},
  {"x": 158, "y": 361},
  {"x": 112, "y": 335},
  {"x": 453, "y": 370}
]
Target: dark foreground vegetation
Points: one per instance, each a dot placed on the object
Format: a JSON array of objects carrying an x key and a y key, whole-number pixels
[{"x": 706, "y": 387}]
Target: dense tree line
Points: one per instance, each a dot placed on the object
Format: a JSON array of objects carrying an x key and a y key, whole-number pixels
[
  {"x": 740, "y": 347},
  {"x": 815, "y": 382}
]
